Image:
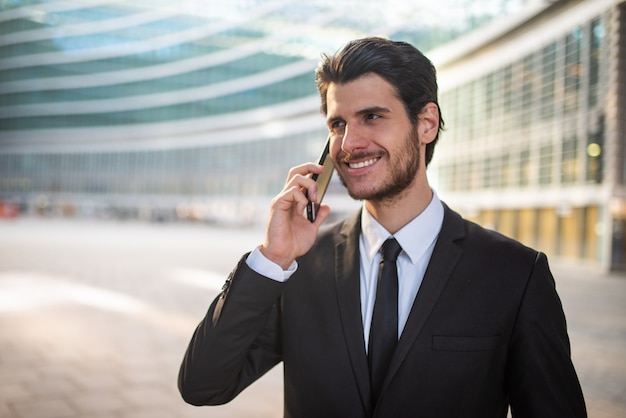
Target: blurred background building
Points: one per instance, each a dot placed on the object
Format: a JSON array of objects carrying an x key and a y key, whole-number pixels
[
  {"x": 195, "y": 110},
  {"x": 535, "y": 106}
]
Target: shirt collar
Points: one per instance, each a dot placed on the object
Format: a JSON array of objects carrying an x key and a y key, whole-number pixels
[{"x": 425, "y": 226}]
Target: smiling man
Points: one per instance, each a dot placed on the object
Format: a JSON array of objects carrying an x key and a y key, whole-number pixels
[{"x": 402, "y": 310}]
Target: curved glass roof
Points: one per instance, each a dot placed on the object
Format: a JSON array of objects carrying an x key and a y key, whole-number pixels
[{"x": 106, "y": 64}]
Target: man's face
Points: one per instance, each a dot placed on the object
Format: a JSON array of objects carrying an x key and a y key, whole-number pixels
[{"x": 373, "y": 142}]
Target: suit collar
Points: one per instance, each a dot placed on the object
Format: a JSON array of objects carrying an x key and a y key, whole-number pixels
[
  {"x": 415, "y": 238},
  {"x": 351, "y": 226}
]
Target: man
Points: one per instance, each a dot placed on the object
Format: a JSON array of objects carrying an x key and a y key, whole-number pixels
[{"x": 479, "y": 324}]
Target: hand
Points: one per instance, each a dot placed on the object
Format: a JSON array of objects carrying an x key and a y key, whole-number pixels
[{"x": 289, "y": 233}]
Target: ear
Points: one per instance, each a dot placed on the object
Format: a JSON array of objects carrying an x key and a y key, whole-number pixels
[{"x": 428, "y": 123}]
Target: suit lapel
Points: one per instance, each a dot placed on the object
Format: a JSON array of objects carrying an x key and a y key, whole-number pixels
[
  {"x": 445, "y": 256},
  {"x": 347, "y": 273}
]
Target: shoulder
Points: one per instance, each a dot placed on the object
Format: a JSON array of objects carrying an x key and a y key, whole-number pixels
[
  {"x": 485, "y": 245},
  {"x": 345, "y": 230}
]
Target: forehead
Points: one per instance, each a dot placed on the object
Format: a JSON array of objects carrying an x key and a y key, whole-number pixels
[{"x": 369, "y": 90}]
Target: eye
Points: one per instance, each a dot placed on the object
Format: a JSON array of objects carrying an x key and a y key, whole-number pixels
[
  {"x": 337, "y": 125},
  {"x": 372, "y": 116}
]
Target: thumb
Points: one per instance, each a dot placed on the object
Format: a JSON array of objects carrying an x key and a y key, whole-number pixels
[{"x": 322, "y": 214}]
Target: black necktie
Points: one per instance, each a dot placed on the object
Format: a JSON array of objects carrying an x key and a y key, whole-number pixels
[{"x": 384, "y": 329}]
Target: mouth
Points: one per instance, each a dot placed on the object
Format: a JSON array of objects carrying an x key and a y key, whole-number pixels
[
  {"x": 363, "y": 164},
  {"x": 360, "y": 160}
]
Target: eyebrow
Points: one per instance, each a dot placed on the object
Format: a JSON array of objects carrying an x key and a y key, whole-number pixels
[
  {"x": 373, "y": 109},
  {"x": 365, "y": 111}
]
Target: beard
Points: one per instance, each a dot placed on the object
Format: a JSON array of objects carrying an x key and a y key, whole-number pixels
[{"x": 403, "y": 168}]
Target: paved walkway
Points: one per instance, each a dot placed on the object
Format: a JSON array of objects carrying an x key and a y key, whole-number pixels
[{"x": 95, "y": 317}]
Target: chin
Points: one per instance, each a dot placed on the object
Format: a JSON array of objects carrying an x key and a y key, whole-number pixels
[
  {"x": 362, "y": 190},
  {"x": 362, "y": 194}
]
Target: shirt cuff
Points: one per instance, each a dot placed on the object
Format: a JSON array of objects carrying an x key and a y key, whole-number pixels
[{"x": 260, "y": 264}]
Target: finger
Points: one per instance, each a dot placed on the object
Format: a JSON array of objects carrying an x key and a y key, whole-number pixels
[
  {"x": 290, "y": 197},
  {"x": 304, "y": 170},
  {"x": 306, "y": 184}
]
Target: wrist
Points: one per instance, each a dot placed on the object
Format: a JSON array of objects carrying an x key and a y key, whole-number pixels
[{"x": 284, "y": 262}]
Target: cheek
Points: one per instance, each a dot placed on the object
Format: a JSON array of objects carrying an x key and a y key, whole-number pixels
[{"x": 335, "y": 148}]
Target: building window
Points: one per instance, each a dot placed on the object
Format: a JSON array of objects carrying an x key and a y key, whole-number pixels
[
  {"x": 569, "y": 161},
  {"x": 594, "y": 154},
  {"x": 527, "y": 91},
  {"x": 573, "y": 71},
  {"x": 597, "y": 35},
  {"x": 548, "y": 77},
  {"x": 525, "y": 167},
  {"x": 545, "y": 164}
]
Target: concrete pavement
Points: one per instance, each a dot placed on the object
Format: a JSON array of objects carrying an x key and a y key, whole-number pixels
[{"x": 95, "y": 317}]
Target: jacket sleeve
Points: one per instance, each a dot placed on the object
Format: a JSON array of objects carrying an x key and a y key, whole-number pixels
[
  {"x": 542, "y": 379},
  {"x": 237, "y": 343}
]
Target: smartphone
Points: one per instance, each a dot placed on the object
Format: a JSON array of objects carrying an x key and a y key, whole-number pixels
[{"x": 322, "y": 180}]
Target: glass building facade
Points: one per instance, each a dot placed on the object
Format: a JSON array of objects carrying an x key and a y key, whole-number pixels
[
  {"x": 142, "y": 108},
  {"x": 535, "y": 145},
  {"x": 161, "y": 111}
]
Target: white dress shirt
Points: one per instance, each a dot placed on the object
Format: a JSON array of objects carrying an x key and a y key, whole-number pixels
[{"x": 417, "y": 239}]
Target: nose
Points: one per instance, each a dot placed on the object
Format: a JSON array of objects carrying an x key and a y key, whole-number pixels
[{"x": 352, "y": 140}]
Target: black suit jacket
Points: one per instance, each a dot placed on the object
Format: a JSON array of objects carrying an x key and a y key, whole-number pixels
[{"x": 486, "y": 330}]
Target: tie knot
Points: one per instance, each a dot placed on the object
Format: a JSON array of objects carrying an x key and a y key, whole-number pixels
[{"x": 390, "y": 249}]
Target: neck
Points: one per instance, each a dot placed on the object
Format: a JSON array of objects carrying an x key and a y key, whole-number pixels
[{"x": 395, "y": 212}]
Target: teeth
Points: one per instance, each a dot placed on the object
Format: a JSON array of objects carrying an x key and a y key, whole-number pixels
[{"x": 363, "y": 163}]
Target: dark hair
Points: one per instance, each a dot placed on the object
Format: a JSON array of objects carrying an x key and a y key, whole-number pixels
[{"x": 399, "y": 63}]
